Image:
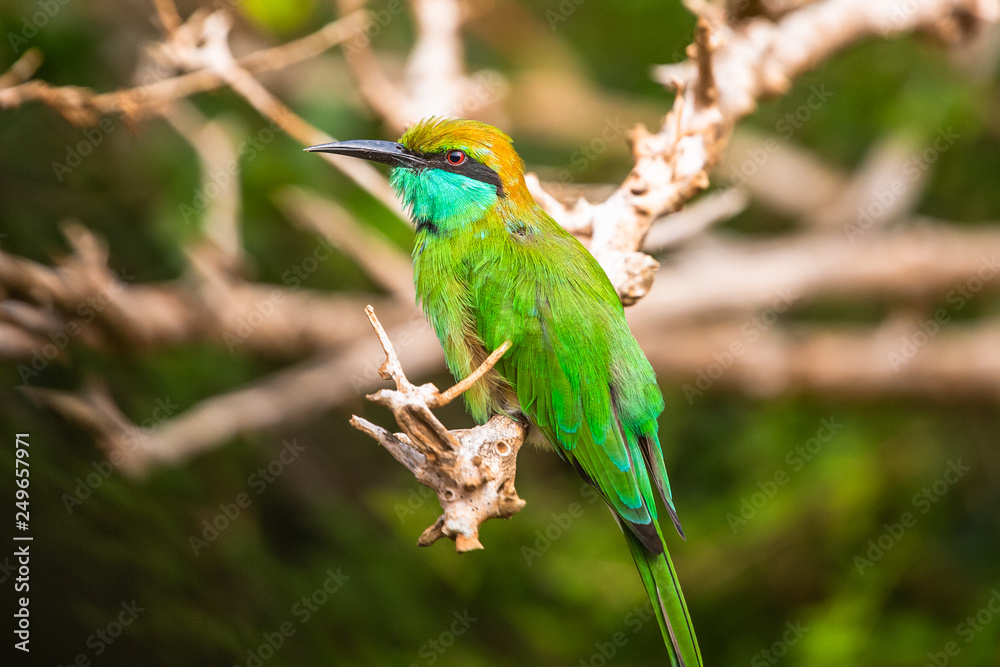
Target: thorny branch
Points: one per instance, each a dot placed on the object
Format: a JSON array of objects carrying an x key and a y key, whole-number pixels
[
  {"x": 709, "y": 286},
  {"x": 471, "y": 470},
  {"x": 201, "y": 44},
  {"x": 754, "y": 59}
]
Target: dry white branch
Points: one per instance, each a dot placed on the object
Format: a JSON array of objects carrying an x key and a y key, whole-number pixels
[
  {"x": 83, "y": 299},
  {"x": 202, "y": 44},
  {"x": 212, "y": 53},
  {"x": 471, "y": 470},
  {"x": 94, "y": 409},
  {"x": 22, "y": 69},
  {"x": 378, "y": 91},
  {"x": 170, "y": 19},
  {"x": 730, "y": 69},
  {"x": 293, "y": 394},
  {"x": 82, "y": 106},
  {"x": 435, "y": 71}
]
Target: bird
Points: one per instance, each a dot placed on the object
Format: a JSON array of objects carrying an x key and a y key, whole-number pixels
[{"x": 491, "y": 266}]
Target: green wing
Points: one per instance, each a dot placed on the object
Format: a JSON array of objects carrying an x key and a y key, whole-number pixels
[
  {"x": 578, "y": 372},
  {"x": 582, "y": 379}
]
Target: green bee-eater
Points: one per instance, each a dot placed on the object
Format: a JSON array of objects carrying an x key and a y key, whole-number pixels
[{"x": 490, "y": 266}]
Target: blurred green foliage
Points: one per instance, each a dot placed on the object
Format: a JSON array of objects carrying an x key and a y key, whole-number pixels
[{"x": 771, "y": 570}]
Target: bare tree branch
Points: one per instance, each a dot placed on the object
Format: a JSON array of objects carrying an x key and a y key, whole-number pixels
[
  {"x": 216, "y": 152},
  {"x": 202, "y": 44},
  {"x": 170, "y": 19},
  {"x": 435, "y": 71},
  {"x": 754, "y": 60},
  {"x": 22, "y": 69},
  {"x": 769, "y": 179},
  {"x": 83, "y": 299},
  {"x": 294, "y": 394},
  {"x": 471, "y": 470},
  {"x": 82, "y": 106},
  {"x": 723, "y": 276},
  {"x": 906, "y": 358}
]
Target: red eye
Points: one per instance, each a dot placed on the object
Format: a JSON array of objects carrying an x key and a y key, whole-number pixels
[{"x": 455, "y": 157}]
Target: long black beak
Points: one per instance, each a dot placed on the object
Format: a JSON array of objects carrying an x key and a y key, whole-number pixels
[{"x": 386, "y": 152}]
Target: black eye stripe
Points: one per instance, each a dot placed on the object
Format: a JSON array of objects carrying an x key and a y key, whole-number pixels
[{"x": 468, "y": 167}]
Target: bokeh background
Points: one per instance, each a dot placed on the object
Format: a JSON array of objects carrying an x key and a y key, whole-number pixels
[{"x": 793, "y": 497}]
